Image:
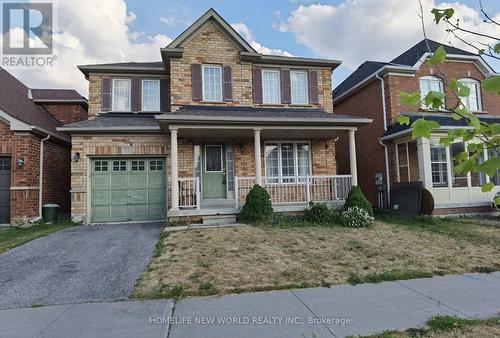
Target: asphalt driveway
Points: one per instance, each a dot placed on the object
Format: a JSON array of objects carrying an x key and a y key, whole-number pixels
[{"x": 77, "y": 265}]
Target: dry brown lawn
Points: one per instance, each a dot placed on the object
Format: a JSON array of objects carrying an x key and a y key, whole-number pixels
[{"x": 227, "y": 260}]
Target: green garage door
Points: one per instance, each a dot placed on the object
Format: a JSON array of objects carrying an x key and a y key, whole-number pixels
[{"x": 128, "y": 189}]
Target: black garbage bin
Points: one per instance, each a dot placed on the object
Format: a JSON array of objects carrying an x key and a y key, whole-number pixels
[{"x": 49, "y": 213}]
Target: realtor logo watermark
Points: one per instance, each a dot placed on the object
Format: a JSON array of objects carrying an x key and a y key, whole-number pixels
[{"x": 28, "y": 34}]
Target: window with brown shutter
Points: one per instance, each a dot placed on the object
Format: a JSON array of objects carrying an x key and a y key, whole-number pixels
[
  {"x": 106, "y": 94},
  {"x": 313, "y": 87},
  {"x": 227, "y": 87},
  {"x": 257, "y": 85},
  {"x": 196, "y": 82},
  {"x": 164, "y": 95},
  {"x": 136, "y": 94},
  {"x": 286, "y": 95}
]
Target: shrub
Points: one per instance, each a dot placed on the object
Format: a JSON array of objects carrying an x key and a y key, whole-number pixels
[
  {"x": 257, "y": 206},
  {"x": 356, "y": 217},
  {"x": 318, "y": 213},
  {"x": 356, "y": 198}
]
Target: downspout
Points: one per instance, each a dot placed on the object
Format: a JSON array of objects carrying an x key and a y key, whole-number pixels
[
  {"x": 40, "y": 180},
  {"x": 386, "y": 152}
]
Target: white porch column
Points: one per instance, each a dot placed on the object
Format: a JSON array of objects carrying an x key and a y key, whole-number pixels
[
  {"x": 174, "y": 169},
  {"x": 258, "y": 170},
  {"x": 424, "y": 162},
  {"x": 352, "y": 157}
]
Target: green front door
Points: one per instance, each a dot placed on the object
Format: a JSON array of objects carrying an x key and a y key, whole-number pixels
[
  {"x": 128, "y": 190},
  {"x": 213, "y": 171}
]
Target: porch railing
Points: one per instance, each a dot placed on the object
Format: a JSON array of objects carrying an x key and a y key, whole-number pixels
[
  {"x": 189, "y": 192},
  {"x": 297, "y": 190}
]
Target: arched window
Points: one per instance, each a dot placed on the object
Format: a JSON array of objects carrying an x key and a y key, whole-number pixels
[
  {"x": 430, "y": 84},
  {"x": 473, "y": 101}
]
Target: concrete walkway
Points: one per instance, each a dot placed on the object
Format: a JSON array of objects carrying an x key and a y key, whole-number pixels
[{"x": 316, "y": 312}]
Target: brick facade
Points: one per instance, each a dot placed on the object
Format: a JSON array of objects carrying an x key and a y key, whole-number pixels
[
  {"x": 25, "y": 180},
  {"x": 67, "y": 113},
  {"x": 367, "y": 102}
]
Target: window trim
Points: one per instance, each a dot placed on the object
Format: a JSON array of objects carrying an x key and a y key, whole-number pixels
[
  {"x": 204, "y": 99},
  {"x": 446, "y": 162},
  {"x": 407, "y": 156},
  {"x": 306, "y": 87},
  {"x": 280, "y": 164},
  {"x": 142, "y": 95},
  {"x": 129, "y": 94},
  {"x": 441, "y": 87},
  {"x": 271, "y": 70},
  {"x": 478, "y": 92}
]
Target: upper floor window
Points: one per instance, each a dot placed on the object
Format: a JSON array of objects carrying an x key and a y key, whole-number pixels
[
  {"x": 430, "y": 84},
  {"x": 473, "y": 101},
  {"x": 151, "y": 95},
  {"x": 212, "y": 83},
  {"x": 271, "y": 93},
  {"x": 298, "y": 84},
  {"x": 121, "y": 95}
]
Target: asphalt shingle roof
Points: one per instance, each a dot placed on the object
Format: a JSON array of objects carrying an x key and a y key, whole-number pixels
[
  {"x": 56, "y": 94},
  {"x": 117, "y": 120},
  {"x": 366, "y": 69}
]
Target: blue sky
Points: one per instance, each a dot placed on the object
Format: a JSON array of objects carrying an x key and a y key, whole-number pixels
[{"x": 260, "y": 16}]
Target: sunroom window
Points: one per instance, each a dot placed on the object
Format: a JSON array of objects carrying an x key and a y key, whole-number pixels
[
  {"x": 271, "y": 93},
  {"x": 491, "y": 154},
  {"x": 430, "y": 84},
  {"x": 287, "y": 162},
  {"x": 439, "y": 166},
  {"x": 473, "y": 101}
]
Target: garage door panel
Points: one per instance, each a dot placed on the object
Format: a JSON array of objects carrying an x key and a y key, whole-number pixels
[
  {"x": 128, "y": 190},
  {"x": 138, "y": 197},
  {"x": 100, "y": 198},
  {"x": 100, "y": 182},
  {"x": 138, "y": 181},
  {"x": 119, "y": 197},
  {"x": 100, "y": 213}
]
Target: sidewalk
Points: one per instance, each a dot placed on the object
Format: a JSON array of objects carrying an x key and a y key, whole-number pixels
[{"x": 316, "y": 312}]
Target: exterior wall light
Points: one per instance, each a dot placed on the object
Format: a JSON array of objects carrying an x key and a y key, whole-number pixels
[
  {"x": 20, "y": 163},
  {"x": 242, "y": 147},
  {"x": 76, "y": 157}
]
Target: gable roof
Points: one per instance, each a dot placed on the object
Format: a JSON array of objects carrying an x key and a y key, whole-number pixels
[
  {"x": 56, "y": 95},
  {"x": 15, "y": 101},
  {"x": 129, "y": 67},
  {"x": 407, "y": 62},
  {"x": 211, "y": 15}
]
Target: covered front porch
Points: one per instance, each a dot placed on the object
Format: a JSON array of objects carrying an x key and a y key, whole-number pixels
[{"x": 294, "y": 159}]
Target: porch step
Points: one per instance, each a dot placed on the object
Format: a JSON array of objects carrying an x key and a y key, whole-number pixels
[{"x": 219, "y": 219}]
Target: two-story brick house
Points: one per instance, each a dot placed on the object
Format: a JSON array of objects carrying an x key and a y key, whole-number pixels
[
  {"x": 34, "y": 156},
  {"x": 193, "y": 133},
  {"x": 387, "y": 150}
]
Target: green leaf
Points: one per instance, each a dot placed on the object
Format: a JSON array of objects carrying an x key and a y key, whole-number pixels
[
  {"x": 497, "y": 200},
  {"x": 492, "y": 84},
  {"x": 434, "y": 99},
  {"x": 423, "y": 128},
  {"x": 495, "y": 128},
  {"x": 439, "y": 56},
  {"x": 456, "y": 117},
  {"x": 448, "y": 13},
  {"x": 464, "y": 166},
  {"x": 461, "y": 156},
  {"x": 497, "y": 48},
  {"x": 463, "y": 90},
  {"x": 487, "y": 187},
  {"x": 403, "y": 120},
  {"x": 438, "y": 15},
  {"x": 409, "y": 99},
  {"x": 490, "y": 166}
]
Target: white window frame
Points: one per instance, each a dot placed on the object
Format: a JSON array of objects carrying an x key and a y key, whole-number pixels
[
  {"x": 129, "y": 94},
  {"x": 441, "y": 184},
  {"x": 468, "y": 80},
  {"x": 221, "y": 158},
  {"x": 306, "y": 87},
  {"x": 157, "y": 93},
  {"x": 203, "y": 67},
  {"x": 270, "y": 70},
  {"x": 293, "y": 179},
  {"x": 430, "y": 79}
]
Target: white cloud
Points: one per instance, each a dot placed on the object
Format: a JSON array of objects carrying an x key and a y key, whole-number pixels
[
  {"x": 169, "y": 20},
  {"x": 247, "y": 34},
  {"x": 92, "y": 32},
  {"x": 354, "y": 31}
]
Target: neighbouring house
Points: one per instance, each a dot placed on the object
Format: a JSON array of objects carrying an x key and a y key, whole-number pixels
[
  {"x": 386, "y": 151},
  {"x": 34, "y": 156},
  {"x": 188, "y": 137}
]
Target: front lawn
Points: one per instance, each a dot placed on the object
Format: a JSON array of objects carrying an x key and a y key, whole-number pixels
[
  {"x": 15, "y": 236},
  {"x": 227, "y": 260}
]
